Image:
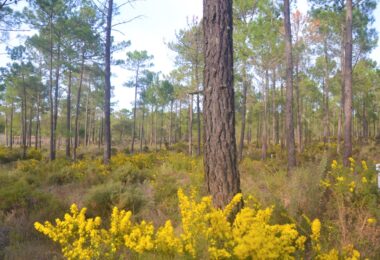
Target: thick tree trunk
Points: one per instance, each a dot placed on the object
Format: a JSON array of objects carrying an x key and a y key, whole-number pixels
[
  {"x": 107, "y": 87},
  {"x": 243, "y": 112},
  {"x": 68, "y": 119},
  {"x": 56, "y": 92},
  {"x": 220, "y": 155},
  {"x": 289, "y": 88},
  {"x": 348, "y": 86}
]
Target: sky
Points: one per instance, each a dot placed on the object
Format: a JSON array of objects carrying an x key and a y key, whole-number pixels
[{"x": 156, "y": 26}]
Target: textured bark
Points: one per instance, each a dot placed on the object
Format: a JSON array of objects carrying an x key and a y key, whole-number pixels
[
  {"x": 299, "y": 109},
  {"x": 348, "y": 86},
  {"x": 220, "y": 156},
  {"x": 107, "y": 87},
  {"x": 289, "y": 88}
]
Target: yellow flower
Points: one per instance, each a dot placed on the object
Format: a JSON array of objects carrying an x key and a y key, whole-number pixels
[
  {"x": 364, "y": 180},
  {"x": 364, "y": 165},
  {"x": 352, "y": 186},
  {"x": 340, "y": 178},
  {"x": 371, "y": 220}
]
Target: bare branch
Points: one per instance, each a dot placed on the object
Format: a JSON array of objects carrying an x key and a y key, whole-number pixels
[{"x": 127, "y": 21}]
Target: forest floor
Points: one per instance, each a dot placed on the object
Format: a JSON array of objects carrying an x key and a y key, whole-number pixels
[{"x": 346, "y": 201}]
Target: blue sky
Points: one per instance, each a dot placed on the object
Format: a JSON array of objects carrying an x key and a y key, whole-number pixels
[{"x": 157, "y": 26}]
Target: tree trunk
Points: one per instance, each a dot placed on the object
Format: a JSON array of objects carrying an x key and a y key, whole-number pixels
[
  {"x": 264, "y": 133},
  {"x": 23, "y": 117},
  {"x": 170, "y": 122},
  {"x": 11, "y": 127},
  {"x": 243, "y": 112},
  {"x": 107, "y": 87},
  {"x": 56, "y": 92},
  {"x": 142, "y": 128},
  {"x": 299, "y": 108},
  {"x": 68, "y": 119},
  {"x": 289, "y": 88},
  {"x": 190, "y": 135},
  {"x": 220, "y": 156},
  {"x": 326, "y": 90},
  {"x": 348, "y": 86},
  {"x": 51, "y": 101},
  {"x": 37, "y": 121},
  {"x": 134, "y": 112},
  {"x": 77, "y": 110}
]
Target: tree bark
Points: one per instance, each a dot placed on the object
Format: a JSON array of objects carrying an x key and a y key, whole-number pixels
[
  {"x": 348, "y": 86},
  {"x": 107, "y": 87},
  {"x": 220, "y": 155},
  {"x": 289, "y": 88}
]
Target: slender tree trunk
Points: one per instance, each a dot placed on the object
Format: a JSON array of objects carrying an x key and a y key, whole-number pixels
[
  {"x": 134, "y": 112},
  {"x": 198, "y": 111},
  {"x": 142, "y": 129},
  {"x": 348, "y": 86},
  {"x": 68, "y": 119},
  {"x": 180, "y": 121},
  {"x": 77, "y": 110},
  {"x": 86, "y": 126},
  {"x": 190, "y": 135},
  {"x": 299, "y": 108},
  {"x": 342, "y": 61},
  {"x": 326, "y": 118},
  {"x": 275, "y": 121},
  {"x": 51, "y": 101},
  {"x": 107, "y": 88},
  {"x": 289, "y": 88},
  {"x": 170, "y": 122},
  {"x": 162, "y": 126},
  {"x": 56, "y": 92},
  {"x": 30, "y": 125},
  {"x": 11, "y": 127},
  {"x": 220, "y": 155},
  {"x": 264, "y": 133},
  {"x": 23, "y": 117},
  {"x": 243, "y": 112}
]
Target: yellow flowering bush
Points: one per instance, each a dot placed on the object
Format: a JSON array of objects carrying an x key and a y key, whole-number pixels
[{"x": 205, "y": 233}]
